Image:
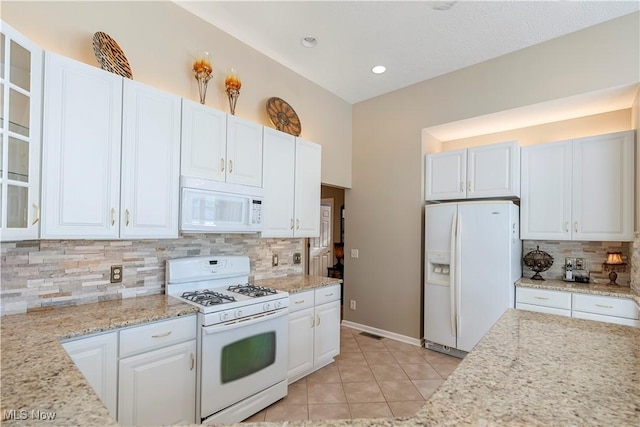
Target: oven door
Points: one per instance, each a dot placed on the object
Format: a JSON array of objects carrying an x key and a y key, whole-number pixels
[{"x": 241, "y": 359}]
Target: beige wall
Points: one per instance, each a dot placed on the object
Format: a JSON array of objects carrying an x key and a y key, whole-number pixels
[
  {"x": 635, "y": 124},
  {"x": 160, "y": 39},
  {"x": 385, "y": 206}
]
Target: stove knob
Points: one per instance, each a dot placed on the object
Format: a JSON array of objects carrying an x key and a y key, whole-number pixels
[
  {"x": 266, "y": 306},
  {"x": 238, "y": 313},
  {"x": 224, "y": 316},
  {"x": 277, "y": 304}
]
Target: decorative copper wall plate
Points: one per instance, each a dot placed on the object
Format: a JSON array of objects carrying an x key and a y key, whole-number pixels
[
  {"x": 283, "y": 117},
  {"x": 110, "y": 57}
]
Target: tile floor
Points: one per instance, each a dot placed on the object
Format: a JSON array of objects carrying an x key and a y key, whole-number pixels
[{"x": 371, "y": 378}]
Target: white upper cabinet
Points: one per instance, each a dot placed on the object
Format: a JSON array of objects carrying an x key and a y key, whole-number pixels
[
  {"x": 244, "y": 152},
  {"x": 220, "y": 147},
  {"x": 81, "y": 150},
  {"x": 150, "y": 162},
  {"x": 291, "y": 186},
  {"x": 20, "y": 136},
  {"x": 86, "y": 130},
  {"x": 480, "y": 172},
  {"x": 204, "y": 142},
  {"x": 579, "y": 189}
]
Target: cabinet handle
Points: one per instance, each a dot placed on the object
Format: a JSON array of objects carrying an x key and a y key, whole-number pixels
[
  {"x": 462, "y": 186},
  {"x": 230, "y": 166},
  {"x": 221, "y": 164},
  {"x": 164, "y": 334},
  {"x": 542, "y": 298},
  {"x": 292, "y": 223},
  {"x": 297, "y": 224},
  {"x": 193, "y": 362},
  {"x": 313, "y": 321},
  {"x": 126, "y": 216},
  {"x": 328, "y": 295},
  {"x": 469, "y": 187},
  {"x": 566, "y": 226},
  {"x": 113, "y": 216},
  {"x": 575, "y": 226},
  {"x": 299, "y": 302},
  {"x": 37, "y": 214},
  {"x": 604, "y": 306},
  {"x": 318, "y": 322}
]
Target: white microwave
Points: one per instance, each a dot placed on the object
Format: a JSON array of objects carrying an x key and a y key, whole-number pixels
[{"x": 218, "y": 207}]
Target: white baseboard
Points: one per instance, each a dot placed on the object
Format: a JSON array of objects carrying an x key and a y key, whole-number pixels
[{"x": 383, "y": 333}]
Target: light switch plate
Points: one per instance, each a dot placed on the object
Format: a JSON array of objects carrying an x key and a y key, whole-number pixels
[{"x": 355, "y": 253}]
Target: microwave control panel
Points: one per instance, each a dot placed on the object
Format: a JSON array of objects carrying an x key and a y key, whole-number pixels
[{"x": 256, "y": 211}]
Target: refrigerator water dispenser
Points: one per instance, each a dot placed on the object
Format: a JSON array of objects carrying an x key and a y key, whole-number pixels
[{"x": 439, "y": 267}]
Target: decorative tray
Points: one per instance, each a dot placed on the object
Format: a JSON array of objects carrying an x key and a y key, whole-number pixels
[
  {"x": 283, "y": 117},
  {"x": 109, "y": 55}
]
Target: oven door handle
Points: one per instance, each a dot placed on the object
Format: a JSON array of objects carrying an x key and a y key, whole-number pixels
[{"x": 227, "y": 326}]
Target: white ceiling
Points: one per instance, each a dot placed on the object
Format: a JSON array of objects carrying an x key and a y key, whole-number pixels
[{"x": 413, "y": 39}]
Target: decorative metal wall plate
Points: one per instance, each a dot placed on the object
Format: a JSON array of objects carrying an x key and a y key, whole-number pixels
[
  {"x": 283, "y": 117},
  {"x": 109, "y": 55}
]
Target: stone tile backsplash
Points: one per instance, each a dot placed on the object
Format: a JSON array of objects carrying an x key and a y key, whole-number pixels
[
  {"x": 594, "y": 253},
  {"x": 49, "y": 273},
  {"x": 635, "y": 264}
]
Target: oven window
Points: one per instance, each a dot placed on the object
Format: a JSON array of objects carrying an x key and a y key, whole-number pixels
[{"x": 244, "y": 357}]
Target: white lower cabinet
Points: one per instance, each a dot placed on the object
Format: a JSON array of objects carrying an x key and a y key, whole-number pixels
[
  {"x": 314, "y": 330},
  {"x": 96, "y": 357},
  {"x": 582, "y": 306},
  {"x": 606, "y": 309},
  {"x": 157, "y": 379}
]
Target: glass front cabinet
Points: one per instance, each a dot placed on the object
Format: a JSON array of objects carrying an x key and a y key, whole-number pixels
[{"x": 20, "y": 135}]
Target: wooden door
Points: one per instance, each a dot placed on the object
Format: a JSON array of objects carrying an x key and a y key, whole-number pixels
[{"x": 321, "y": 247}]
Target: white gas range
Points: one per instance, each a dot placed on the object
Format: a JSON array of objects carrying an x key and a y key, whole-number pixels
[{"x": 242, "y": 338}]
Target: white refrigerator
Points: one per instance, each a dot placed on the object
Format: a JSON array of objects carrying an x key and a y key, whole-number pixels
[{"x": 472, "y": 259}]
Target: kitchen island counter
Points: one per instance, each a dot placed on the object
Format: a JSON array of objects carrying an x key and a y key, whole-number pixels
[
  {"x": 38, "y": 375},
  {"x": 297, "y": 283}
]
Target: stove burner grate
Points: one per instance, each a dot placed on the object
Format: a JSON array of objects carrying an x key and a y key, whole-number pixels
[
  {"x": 252, "y": 290},
  {"x": 207, "y": 297}
]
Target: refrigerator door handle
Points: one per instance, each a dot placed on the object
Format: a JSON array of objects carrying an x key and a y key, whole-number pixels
[
  {"x": 457, "y": 274},
  {"x": 452, "y": 274}
]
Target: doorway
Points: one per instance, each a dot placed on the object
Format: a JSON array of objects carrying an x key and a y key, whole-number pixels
[{"x": 321, "y": 247}]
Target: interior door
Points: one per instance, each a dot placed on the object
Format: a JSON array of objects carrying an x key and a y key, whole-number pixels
[{"x": 320, "y": 248}]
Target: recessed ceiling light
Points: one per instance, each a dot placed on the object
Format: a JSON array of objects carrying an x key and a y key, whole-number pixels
[
  {"x": 378, "y": 69},
  {"x": 309, "y": 41},
  {"x": 443, "y": 5}
]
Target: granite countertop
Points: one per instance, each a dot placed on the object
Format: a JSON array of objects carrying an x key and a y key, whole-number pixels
[
  {"x": 298, "y": 283},
  {"x": 37, "y": 374},
  {"x": 583, "y": 288},
  {"x": 530, "y": 369},
  {"x": 534, "y": 369}
]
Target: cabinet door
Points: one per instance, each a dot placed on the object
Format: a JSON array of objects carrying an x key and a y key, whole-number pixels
[
  {"x": 20, "y": 136},
  {"x": 158, "y": 387},
  {"x": 278, "y": 184},
  {"x": 307, "y": 189},
  {"x": 493, "y": 170},
  {"x": 327, "y": 333},
  {"x": 603, "y": 189},
  {"x": 204, "y": 142},
  {"x": 545, "y": 203},
  {"x": 97, "y": 358},
  {"x": 301, "y": 325},
  {"x": 446, "y": 175},
  {"x": 150, "y": 162},
  {"x": 81, "y": 150},
  {"x": 244, "y": 152}
]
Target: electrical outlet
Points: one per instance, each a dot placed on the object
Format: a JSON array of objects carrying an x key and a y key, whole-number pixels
[
  {"x": 116, "y": 274},
  {"x": 274, "y": 260},
  {"x": 579, "y": 263},
  {"x": 352, "y": 304},
  {"x": 297, "y": 258}
]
